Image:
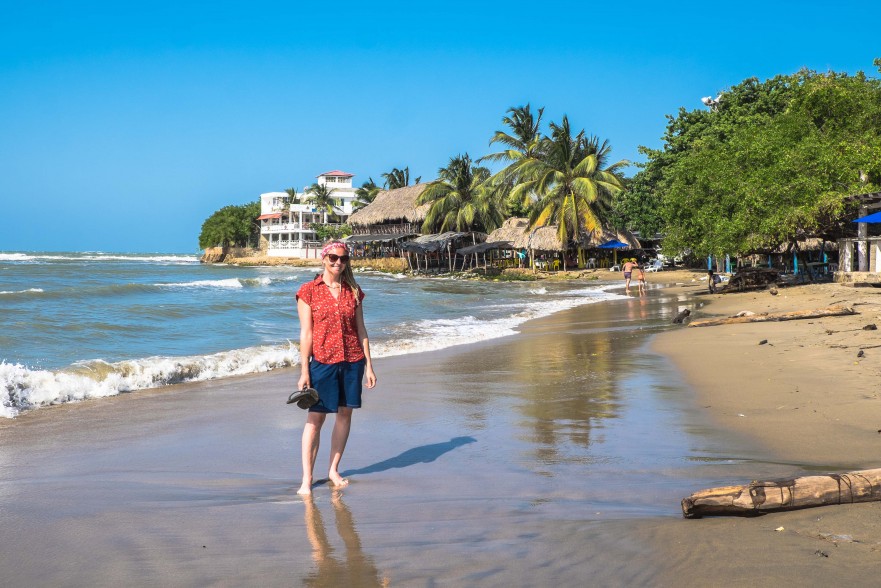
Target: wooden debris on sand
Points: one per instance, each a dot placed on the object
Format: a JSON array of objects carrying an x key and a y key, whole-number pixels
[
  {"x": 761, "y": 497},
  {"x": 776, "y": 316},
  {"x": 750, "y": 278}
]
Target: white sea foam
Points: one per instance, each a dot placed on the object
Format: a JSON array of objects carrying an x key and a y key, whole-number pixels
[
  {"x": 97, "y": 256},
  {"x": 227, "y": 283},
  {"x": 34, "y": 290},
  {"x": 432, "y": 334},
  {"x": 22, "y": 388}
]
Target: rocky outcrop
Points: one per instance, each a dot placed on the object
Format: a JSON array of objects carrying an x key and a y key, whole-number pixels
[{"x": 213, "y": 255}]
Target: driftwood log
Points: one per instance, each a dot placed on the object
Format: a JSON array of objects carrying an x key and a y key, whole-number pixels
[
  {"x": 776, "y": 316},
  {"x": 762, "y": 497}
]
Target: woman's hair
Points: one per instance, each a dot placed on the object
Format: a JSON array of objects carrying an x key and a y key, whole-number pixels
[{"x": 347, "y": 276}]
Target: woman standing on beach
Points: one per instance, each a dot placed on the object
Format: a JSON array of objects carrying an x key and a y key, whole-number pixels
[{"x": 334, "y": 357}]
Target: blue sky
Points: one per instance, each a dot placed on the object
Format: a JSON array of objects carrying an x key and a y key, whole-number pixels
[{"x": 125, "y": 126}]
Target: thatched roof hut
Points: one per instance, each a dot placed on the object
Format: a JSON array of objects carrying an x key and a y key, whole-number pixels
[
  {"x": 391, "y": 206},
  {"x": 516, "y": 231}
]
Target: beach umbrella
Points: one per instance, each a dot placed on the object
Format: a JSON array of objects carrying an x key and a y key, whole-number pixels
[
  {"x": 875, "y": 217},
  {"x": 614, "y": 245}
]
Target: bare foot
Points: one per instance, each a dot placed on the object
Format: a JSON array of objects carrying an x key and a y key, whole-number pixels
[
  {"x": 305, "y": 488},
  {"x": 337, "y": 480}
]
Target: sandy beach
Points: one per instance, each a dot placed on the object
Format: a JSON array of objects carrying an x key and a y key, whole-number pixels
[
  {"x": 812, "y": 403},
  {"x": 555, "y": 456}
]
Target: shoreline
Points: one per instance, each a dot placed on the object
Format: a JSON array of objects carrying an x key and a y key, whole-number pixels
[
  {"x": 506, "y": 456},
  {"x": 438, "y": 459}
]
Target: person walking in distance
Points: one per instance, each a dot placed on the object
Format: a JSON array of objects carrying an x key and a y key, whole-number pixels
[
  {"x": 627, "y": 269},
  {"x": 335, "y": 357}
]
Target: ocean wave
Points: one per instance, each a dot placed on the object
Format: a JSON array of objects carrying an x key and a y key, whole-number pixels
[
  {"x": 28, "y": 291},
  {"x": 97, "y": 256},
  {"x": 433, "y": 334},
  {"x": 22, "y": 388},
  {"x": 225, "y": 283}
]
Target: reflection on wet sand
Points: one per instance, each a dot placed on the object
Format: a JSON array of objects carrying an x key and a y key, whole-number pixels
[
  {"x": 567, "y": 374},
  {"x": 356, "y": 568}
]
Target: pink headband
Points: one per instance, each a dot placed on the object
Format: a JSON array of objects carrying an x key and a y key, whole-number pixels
[{"x": 334, "y": 245}]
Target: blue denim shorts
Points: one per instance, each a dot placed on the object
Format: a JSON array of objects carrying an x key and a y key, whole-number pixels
[{"x": 337, "y": 384}]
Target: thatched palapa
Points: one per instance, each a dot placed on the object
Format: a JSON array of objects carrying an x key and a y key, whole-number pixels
[
  {"x": 392, "y": 206},
  {"x": 517, "y": 232}
]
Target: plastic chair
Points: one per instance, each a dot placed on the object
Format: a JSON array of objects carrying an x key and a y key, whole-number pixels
[
  {"x": 556, "y": 264},
  {"x": 592, "y": 262}
]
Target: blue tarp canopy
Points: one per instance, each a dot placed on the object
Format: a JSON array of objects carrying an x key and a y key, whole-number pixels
[
  {"x": 613, "y": 244},
  {"x": 875, "y": 217}
]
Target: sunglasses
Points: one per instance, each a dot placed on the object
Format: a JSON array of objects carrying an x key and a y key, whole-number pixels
[{"x": 335, "y": 258}]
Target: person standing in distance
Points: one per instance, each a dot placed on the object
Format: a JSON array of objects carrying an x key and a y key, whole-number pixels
[{"x": 334, "y": 357}]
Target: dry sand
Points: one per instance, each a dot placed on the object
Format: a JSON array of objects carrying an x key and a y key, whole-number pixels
[
  {"x": 813, "y": 404},
  {"x": 553, "y": 457}
]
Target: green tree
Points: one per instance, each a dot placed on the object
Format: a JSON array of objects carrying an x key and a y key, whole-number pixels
[
  {"x": 327, "y": 232},
  {"x": 572, "y": 180},
  {"x": 321, "y": 197},
  {"x": 461, "y": 199},
  {"x": 365, "y": 194},
  {"x": 771, "y": 163},
  {"x": 638, "y": 206},
  {"x": 231, "y": 226},
  {"x": 398, "y": 178}
]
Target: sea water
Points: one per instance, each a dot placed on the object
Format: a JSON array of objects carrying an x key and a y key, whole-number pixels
[{"x": 90, "y": 325}]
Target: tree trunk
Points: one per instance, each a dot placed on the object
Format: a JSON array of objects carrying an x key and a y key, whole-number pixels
[
  {"x": 776, "y": 316},
  {"x": 759, "y": 497}
]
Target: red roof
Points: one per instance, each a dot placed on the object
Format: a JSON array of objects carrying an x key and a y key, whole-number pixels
[
  {"x": 337, "y": 173},
  {"x": 273, "y": 215}
]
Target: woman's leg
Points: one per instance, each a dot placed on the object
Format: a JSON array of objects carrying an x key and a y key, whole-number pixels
[
  {"x": 341, "y": 427},
  {"x": 309, "y": 450}
]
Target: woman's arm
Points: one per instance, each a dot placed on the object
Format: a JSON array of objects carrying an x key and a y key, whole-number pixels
[
  {"x": 365, "y": 345},
  {"x": 305, "y": 312}
]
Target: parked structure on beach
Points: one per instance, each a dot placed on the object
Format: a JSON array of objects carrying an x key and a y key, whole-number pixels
[
  {"x": 286, "y": 221},
  {"x": 860, "y": 257},
  {"x": 544, "y": 247}
]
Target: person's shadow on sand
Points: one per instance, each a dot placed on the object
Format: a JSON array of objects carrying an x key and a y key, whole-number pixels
[{"x": 421, "y": 454}]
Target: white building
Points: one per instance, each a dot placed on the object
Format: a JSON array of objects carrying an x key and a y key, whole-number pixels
[{"x": 285, "y": 222}]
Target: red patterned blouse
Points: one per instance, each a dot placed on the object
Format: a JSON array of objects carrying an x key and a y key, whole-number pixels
[{"x": 334, "y": 328}]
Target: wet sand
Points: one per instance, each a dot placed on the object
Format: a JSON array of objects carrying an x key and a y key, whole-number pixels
[{"x": 556, "y": 456}]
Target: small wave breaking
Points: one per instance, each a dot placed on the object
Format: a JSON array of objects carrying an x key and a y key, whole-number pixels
[
  {"x": 37, "y": 257},
  {"x": 22, "y": 388},
  {"x": 226, "y": 283},
  {"x": 433, "y": 334},
  {"x": 28, "y": 291}
]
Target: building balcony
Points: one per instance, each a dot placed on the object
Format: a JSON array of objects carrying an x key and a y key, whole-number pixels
[
  {"x": 285, "y": 228},
  {"x": 293, "y": 244}
]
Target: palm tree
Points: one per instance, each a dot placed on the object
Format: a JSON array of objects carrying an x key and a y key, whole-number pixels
[
  {"x": 365, "y": 194},
  {"x": 398, "y": 178},
  {"x": 292, "y": 197},
  {"x": 461, "y": 199},
  {"x": 522, "y": 142},
  {"x": 572, "y": 182},
  {"x": 320, "y": 196},
  {"x": 524, "y": 139}
]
